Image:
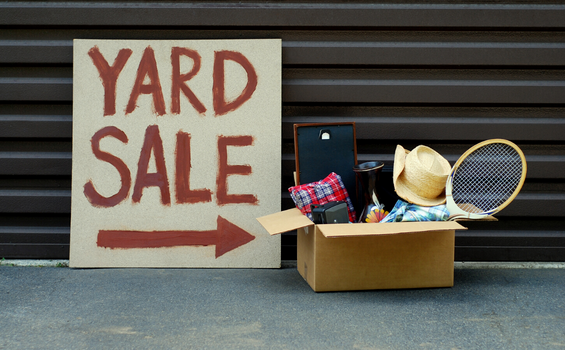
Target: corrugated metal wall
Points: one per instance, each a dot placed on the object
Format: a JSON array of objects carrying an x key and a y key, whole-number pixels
[{"x": 444, "y": 75}]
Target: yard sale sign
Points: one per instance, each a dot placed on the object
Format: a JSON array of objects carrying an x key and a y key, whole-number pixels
[{"x": 176, "y": 151}]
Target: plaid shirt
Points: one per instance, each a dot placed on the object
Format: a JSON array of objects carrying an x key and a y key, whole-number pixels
[
  {"x": 403, "y": 211},
  {"x": 321, "y": 192}
]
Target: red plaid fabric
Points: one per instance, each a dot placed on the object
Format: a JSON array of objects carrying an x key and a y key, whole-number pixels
[{"x": 321, "y": 192}]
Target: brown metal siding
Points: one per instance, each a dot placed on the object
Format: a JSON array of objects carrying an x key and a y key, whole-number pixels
[{"x": 444, "y": 75}]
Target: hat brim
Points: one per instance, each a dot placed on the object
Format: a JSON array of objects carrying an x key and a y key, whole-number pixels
[
  {"x": 405, "y": 193},
  {"x": 399, "y": 162}
]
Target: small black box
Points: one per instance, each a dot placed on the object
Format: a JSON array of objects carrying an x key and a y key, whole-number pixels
[{"x": 330, "y": 213}]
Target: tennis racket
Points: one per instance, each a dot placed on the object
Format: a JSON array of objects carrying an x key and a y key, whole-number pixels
[{"x": 485, "y": 179}]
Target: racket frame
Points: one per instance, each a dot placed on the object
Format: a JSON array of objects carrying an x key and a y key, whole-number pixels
[{"x": 455, "y": 212}]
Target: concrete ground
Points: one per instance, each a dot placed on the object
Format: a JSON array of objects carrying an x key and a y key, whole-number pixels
[{"x": 490, "y": 307}]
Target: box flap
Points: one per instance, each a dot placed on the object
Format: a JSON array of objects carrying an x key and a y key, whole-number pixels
[
  {"x": 486, "y": 218},
  {"x": 366, "y": 229},
  {"x": 284, "y": 221}
]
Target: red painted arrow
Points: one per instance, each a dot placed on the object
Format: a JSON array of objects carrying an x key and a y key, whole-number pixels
[{"x": 226, "y": 237}]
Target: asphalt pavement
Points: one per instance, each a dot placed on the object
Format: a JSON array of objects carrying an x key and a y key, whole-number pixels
[{"x": 64, "y": 308}]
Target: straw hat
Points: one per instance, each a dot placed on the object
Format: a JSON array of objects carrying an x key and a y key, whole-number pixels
[{"x": 419, "y": 176}]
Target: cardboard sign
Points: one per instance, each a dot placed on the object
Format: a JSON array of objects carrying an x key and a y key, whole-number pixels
[{"x": 176, "y": 151}]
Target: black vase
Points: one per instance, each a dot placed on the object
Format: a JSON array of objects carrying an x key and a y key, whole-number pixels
[{"x": 368, "y": 181}]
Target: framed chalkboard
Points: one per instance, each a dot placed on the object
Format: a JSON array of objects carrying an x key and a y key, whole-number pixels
[{"x": 321, "y": 149}]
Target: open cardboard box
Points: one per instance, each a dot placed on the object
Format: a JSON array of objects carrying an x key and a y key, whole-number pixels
[{"x": 339, "y": 257}]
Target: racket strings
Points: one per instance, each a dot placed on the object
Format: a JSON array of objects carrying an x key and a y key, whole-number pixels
[{"x": 487, "y": 178}]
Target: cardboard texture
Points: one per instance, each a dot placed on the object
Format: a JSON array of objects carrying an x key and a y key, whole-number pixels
[
  {"x": 176, "y": 151},
  {"x": 341, "y": 257}
]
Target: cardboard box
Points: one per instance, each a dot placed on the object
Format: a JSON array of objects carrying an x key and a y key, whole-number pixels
[{"x": 340, "y": 257}]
